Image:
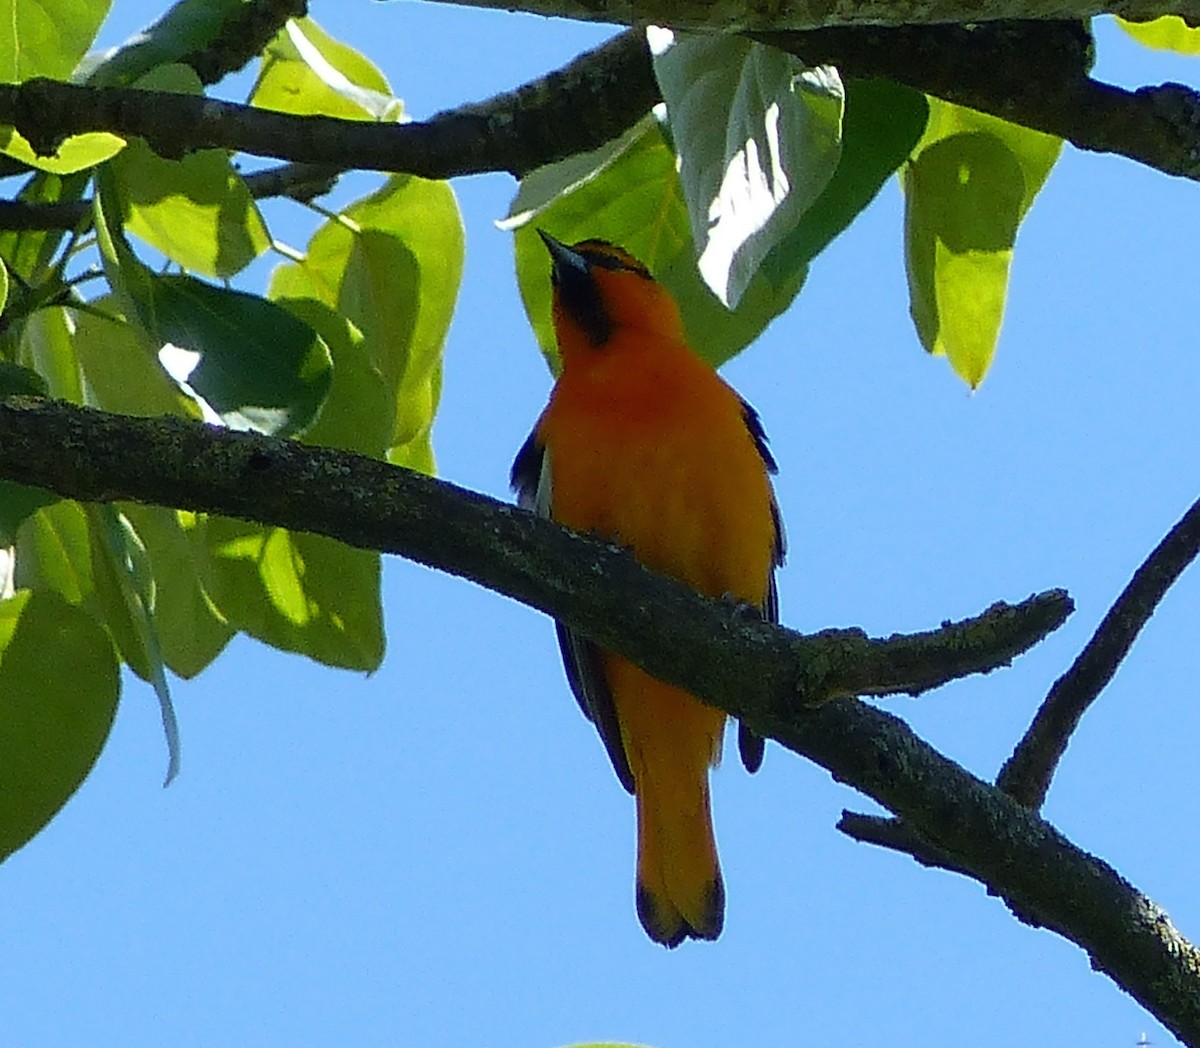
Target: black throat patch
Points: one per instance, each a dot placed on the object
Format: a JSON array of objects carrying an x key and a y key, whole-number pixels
[{"x": 583, "y": 303}]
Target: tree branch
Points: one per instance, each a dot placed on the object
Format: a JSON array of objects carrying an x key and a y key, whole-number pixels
[
  {"x": 765, "y": 15},
  {"x": 95, "y": 456},
  {"x": 540, "y": 122},
  {"x": 1027, "y": 773},
  {"x": 768, "y": 676},
  {"x": 1032, "y": 74}
]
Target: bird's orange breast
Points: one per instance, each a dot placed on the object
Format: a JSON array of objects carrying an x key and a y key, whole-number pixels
[{"x": 649, "y": 448}]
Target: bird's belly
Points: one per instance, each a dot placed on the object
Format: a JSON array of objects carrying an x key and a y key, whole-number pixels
[{"x": 688, "y": 506}]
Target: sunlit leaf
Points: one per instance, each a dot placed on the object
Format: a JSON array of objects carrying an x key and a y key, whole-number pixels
[
  {"x": 74, "y": 153},
  {"x": 47, "y": 346},
  {"x": 636, "y": 201},
  {"x": 305, "y": 71},
  {"x": 125, "y": 566},
  {"x": 358, "y": 411},
  {"x": 120, "y": 365},
  {"x": 298, "y": 592},
  {"x": 196, "y": 210},
  {"x": 46, "y": 37},
  {"x": 758, "y": 136},
  {"x": 881, "y": 126},
  {"x": 971, "y": 182},
  {"x": 1168, "y": 33},
  {"x": 58, "y": 695},
  {"x": 191, "y": 630},
  {"x": 391, "y": 264}
]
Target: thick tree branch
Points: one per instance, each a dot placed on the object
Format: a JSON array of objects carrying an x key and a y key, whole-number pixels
[
  {"x": 540, "y": 122},
  {"x": 765, "y": 675},
  {"x": 94, "y": 456},
  {"x": 766, "y": 15},
  {"x": 1027, "y": 773},
  {"x": 1032, "y": 74}
]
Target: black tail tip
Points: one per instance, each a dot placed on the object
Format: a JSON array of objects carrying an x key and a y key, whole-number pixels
[{"x": 666, "y": 925}]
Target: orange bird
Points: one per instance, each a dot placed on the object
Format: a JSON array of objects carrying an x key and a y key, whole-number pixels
[{"x": 642, "y": 444}]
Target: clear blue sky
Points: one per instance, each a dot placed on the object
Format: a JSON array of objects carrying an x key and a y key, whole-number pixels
[{"x": 440, "y": 854}]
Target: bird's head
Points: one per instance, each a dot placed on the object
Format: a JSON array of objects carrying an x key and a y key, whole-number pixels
[{"x": 601, "y": 289}]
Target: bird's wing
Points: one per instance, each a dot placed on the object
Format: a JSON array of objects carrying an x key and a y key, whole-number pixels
[
  {"x": 752, "y": 746},
  {"x": 582, "y": 659}
]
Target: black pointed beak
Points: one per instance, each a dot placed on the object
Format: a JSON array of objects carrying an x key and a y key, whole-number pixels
[
  {"x": 576, "y": 292},
  {"x": 567, "y": 262}
]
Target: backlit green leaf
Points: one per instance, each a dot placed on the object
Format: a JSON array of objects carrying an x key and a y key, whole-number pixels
[
  {"x": 357, "y": 413},
  {"x": 120, "y": 366},
  {"x": 969, "y": 185},
  {"x": 58, "y": 695},
  {"x": 191, "y": 631},
  {"x": 391, "y": 263},
  {"x": 197, "y": 210},
  {"x": 758, "y": 135},
  {"x": 635, "y": 200},
  {"x": 306, "y": 72},
  {"x": 253, "y": 363},
  {"x": 75, "y": 153},
  {"x": 46, "y": 37},
  {"x": 28, "y": 252},
  {"x": 298, "y": 592},
  {"x": 1169, "y": 33},
  {"x": 881, "y": 126}
]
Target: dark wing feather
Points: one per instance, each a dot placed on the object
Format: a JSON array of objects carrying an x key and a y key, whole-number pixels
[
  {"x": 582, "y": 659},
  {"x": 752, "y": 746}
]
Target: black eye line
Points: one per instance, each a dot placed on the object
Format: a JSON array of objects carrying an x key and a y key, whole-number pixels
[{"x": 606, "y": 261}]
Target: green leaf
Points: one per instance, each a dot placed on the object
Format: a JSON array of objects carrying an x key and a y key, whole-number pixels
[
  {"x": 635, "y": 200},
  {"x": 197, "y": 210},
  {"x": 72, "y": 154},
  {"x": 1169, "y": 33},
  {"x": 881, "y": 126},
  {"x": 58, "y": 696},
  {"x": 758, "y": 135},
  {"x": 129, "y": 567},
  {"x": 47, "y": 346},
  {"x": 306, "y": 72},
  {"x": 63, "y": 549},
  {"x": 357, "y": 414},
  {"x": 969, "y": 185},
  {"x": 254, "y": 364},
  {"x": 120, "y": 366},
  {"x": 188, "y": 26},
  {"x": 46, "y": 37},
  {"x": 191, "y": 630},
  {"x": 298, "y": 592},
  {"x": 391, "y": 263}
]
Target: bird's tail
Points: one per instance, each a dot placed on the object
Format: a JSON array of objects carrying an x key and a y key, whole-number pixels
[{"x": 680, "y": 893}]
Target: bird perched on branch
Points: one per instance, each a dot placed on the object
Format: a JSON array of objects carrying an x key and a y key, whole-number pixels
[{"x": 642, "y": 444}]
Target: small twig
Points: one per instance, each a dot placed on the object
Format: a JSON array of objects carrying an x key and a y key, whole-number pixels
[
  {"x": 1027, "y": 773},
  {"x": 895, "y": 834}
]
